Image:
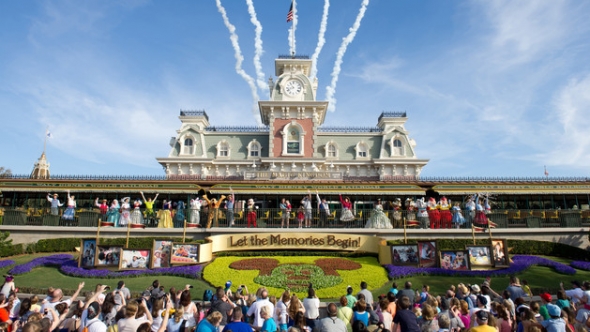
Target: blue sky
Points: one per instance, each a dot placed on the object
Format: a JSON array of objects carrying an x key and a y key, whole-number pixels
[{"x": 492, "y": 88}]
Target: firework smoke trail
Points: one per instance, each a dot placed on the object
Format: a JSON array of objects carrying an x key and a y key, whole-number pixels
[
  {"x": 330, "y": 90},
  {"x": 239, "y": 59},
  {"x": 258, "y": 50},
  {"x": 321, "y": 40},
  {"x": 293, "y": 48}
]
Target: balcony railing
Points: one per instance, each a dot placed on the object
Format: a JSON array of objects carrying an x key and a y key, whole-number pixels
[{"x": 274, "y": 218}]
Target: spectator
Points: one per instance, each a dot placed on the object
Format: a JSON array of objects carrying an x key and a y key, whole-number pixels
[
  {"x": 210, "y": 324},
  {"x": 122, "y": 292},
  {"x": 351, "y": 299},
  {"x": 393, "y": 288},
  {"x": 407, "y": 291},
  {"x": 236, "y": 324},
  {"x": 282, "y": 311},
  {"x": 222, "y": 304},
  {"x": 312, "y": 308},
  {"x": 555, "y": 323},
  {"x": 361, "y": 313},
  {"x": 258, "y": 305},
  {"x": 345, "y": 312},
  {"x": 368, "y": 295},
  {"x": 405, "y": 318},
  {"x": 575, "y": 294},
  {"x": 515, "y": 289},
  {"x": 562, "y": 300},
  {"x": 482, "y": 317},
  {"x": 332, "y": 323},
  {"x": 130, "y": 323}
]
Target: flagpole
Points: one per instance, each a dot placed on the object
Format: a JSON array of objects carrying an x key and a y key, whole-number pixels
[{"x": 293, "y": 30}]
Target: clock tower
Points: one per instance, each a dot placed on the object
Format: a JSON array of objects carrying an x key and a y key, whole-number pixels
[{"x": 293, "y": 114}]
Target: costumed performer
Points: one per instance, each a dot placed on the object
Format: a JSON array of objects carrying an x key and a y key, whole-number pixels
[
  {"x": 470, "y": 208},
  {"x": 149, "y": 209},
  {"x": 71, "y": 209},
  {"x": 125, "y": 212},
  {"x": 229, "y": 207},
  {"x": 397, "y": 214},
  {"x": 458, "y": 219},
  {"x": 195, "y": 210},
  {"x": 179, "y": 216},
  {"x": 251, "y": 216},
  {"x": 213, "y": 205},
  {"x": 55, "y": 204},
  {"x": 113, "y": 214},
  {"x": 306, "y": 202},
  {"x": 102, "y": 207},
  {"x": 410, "y": 210},
  {"x": 165, "y": 215},
  {"x": 446, "y": 217},
  {"x": 480, "y": 216},
  {"x": 136, "y": 215},
  {"x": 433, "y": 213},
  {"x": 346, "y": 214},
  {"x": 378, "y": 219},
  {"x": 422, "y": 213}
]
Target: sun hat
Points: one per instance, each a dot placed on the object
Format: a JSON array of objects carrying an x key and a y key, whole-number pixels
[{"x": 475, "y": 288}]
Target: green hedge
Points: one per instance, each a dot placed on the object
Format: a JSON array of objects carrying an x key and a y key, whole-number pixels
[{"x": 517, "y": 247}]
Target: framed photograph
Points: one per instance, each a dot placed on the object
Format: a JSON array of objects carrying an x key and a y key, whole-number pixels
[
  {"x": 500, "y": 253},
  {"x": 404, "y": 254},
  {"x": 479, "y": 256},
  {"x": 183, "y": 253},
  {"x": 107, "y": 256},
  {"x": 135, "y": 259},
  {"x": 427, "y": 251},
  {"x": 87, "y": 253},
  {"x": 161, "y": 252},
  {"x": 454, "y": 260}
]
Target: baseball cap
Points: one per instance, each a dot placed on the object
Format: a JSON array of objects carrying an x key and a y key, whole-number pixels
[
  {"x": 483, "y": 300},
  {"x": 546, "y": 297},
  {"x": 482, "y": 315},
  {"x": 554, "y": 311}
]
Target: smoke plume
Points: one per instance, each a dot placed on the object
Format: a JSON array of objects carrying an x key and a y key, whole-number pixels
[
  {"x": 239, "y": 59},
  {"x": 330, "y": 90},
  {"x": 292, "y": 45},
  {"x": 321, "y": 40},
  {"x": 258, "y": 50}
]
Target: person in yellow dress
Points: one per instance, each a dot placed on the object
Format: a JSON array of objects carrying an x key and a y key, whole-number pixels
[
  {"x": 165, "y": 215},
  {"x": 149, "y": 208}
]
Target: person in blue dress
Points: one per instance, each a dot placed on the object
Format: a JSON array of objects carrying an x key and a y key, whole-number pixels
[
  {"x": 179, "y": 216},
  {"x": 458, "y": 219},
  {"x": 113, "y": 213}
]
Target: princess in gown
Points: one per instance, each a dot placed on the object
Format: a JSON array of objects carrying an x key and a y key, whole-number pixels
[
  {"x": 378, "y": 219},
  {"x": 71, "y": 209},
  {"x": 136, "y": 215},
  {"x": 480, "y": 216},
  {"x": 346, "y": 214},
  {"x": 165, "y": 215},
  {"x": 458, "y": 218},
  {"x": 113, "y": 213},
  {"x": 195, "y": 210},
  {"x": 125, "y": 212}
]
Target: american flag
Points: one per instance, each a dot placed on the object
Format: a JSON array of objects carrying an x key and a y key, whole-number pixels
[
  {"x": 546, "y": 173},
  {"x": 290, "y": 13}
]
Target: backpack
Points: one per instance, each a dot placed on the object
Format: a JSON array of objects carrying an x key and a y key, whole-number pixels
[{"x": 208, "y": 295}]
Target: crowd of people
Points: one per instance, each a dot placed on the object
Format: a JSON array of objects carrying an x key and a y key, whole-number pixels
[{"x": 463, "y": 307}]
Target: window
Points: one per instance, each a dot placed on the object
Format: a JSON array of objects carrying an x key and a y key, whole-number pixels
[
  {"x": 223, "y": 149},
  {"x": 293, "y": 138},
  {"x": 188, "y": 146},
  {"x": 254, "y": 149},
  {"x": 397, "y": 148},
  {"x": 362, "y": 150},
  {"x": 331, "y": 150}
]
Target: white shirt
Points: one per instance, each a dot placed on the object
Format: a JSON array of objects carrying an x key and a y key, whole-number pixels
[
  {"x": 94, "y": 325},
  {"x": 255, "y": 310},
  {"x": 312, "y": 307},
  {"x": 575, "y": 294}
]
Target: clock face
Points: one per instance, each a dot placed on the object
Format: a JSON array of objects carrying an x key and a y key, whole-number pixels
[{"x": 293, "y": 87}]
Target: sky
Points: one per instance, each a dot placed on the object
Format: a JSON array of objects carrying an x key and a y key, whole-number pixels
[{"x": 491, "y": 88}]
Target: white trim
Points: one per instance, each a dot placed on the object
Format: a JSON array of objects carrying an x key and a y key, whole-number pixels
[
  {"x": 183, "y": 145},
  {"x": 285, "y": 132},
  {"x": 327, "y": 146},
  {"x": 258, "y": 148},
  {"x": 223, "y": 144},
  {"x": 362, "y": 148}
]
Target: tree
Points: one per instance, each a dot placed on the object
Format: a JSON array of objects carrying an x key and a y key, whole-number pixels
[{"x": 5, "y": 172}]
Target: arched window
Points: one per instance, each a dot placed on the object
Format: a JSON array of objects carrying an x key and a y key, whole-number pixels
[
  {"x": 331, "y": 150},
  {"x": 188, "y": 147},
  {"x": 254, "y": 149},
  {"x": 397, "y": 146},
  {"x": 223, "y": 149},
  {"x": 293, "y": 138},
  {"x": 362, "y": 150}
]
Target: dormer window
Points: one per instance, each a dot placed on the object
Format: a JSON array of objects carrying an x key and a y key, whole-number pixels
[
  {"x": 331, "y": 150},
  {"x": 397, "y": 146},
  {"x": 188, "y": 146},
  {"x": 362, "y": 150},
  {"x": 223, "y": 149},
  {"x": 254, "y": 149}
]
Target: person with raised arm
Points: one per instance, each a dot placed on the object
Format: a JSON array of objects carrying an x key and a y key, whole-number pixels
[
  {"x": 149, "y": 206},
  {"x": 55, "y": 204},
  {"x": 324, "y": 209},
  {"x": 70, "y": 211},
  {"x": 229, "y": 207},
  {"x": 346, "y": 214}
]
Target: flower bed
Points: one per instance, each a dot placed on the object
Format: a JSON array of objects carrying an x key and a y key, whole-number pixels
[
  {"x": 520, "y": 264},
  {"x": 69, "y": 266},
  {"x": 581, "y": 265},
  {"x": 6, "y": 263},
  {"x": 329, "y": 275}
]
